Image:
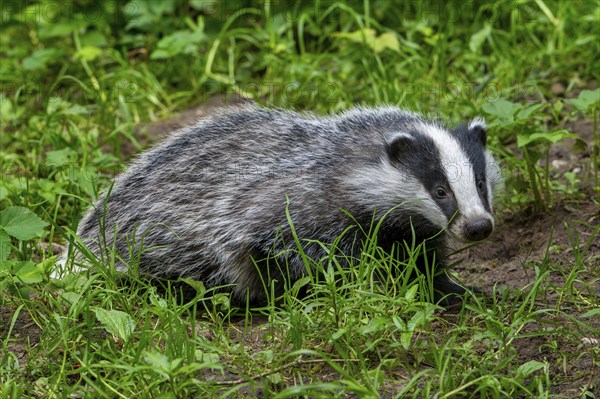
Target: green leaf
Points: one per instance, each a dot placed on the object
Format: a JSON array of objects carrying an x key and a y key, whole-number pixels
[
  {"x": 179, "y": 42},
  {"x": 7, "y": 113},
  {"x": 339, "y": 333},
  {"x": 369, "y": 37},
  {"x": 158, "y": 361},
  {"x": 275, "y": 378},
  {"x": 204, "y": 357},
  {"x": 503, "y": 110},
  {"x": 411, "y": 293},
  {"x": 71, "y": 297},
  {"x": 586, "y": 100},
  {"x": 405, "y": 333},
  {"x": 478, "y": 38},
  {"x": 147, "y": 15},
  {"x": 376, "y": 324},
  {"x": 525, "y": 113},
  {"x": 64, "y": 28},
  {"x": 88, "y": 53},
  {"x": 547, "y": 137},
  {"x": 591, "y": 313},
  {"x": 61, "y": 157},
  {"x": 530, "y": 367},
  {"x": 4, "y": 245},
  {"x": 39, "y": 59},
  {"x": 117, "y": 323},
  {"x": 358, "y": 36},
  {"x": 3, "y": 193},
  {"x": 58, "y": 105},
  {"x": 387, "y": 40},
  {"x": 21, "y": 223},
  {"x": 405, "y": 338},
  {"x": 94, "y": 38},
  {"x": 28, "y": 273}
]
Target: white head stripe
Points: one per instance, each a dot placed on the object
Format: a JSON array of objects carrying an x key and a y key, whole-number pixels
[{"x": 458, "y": 169}]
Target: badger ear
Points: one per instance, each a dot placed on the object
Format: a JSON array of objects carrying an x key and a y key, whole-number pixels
[
  {"x": 398, "y": 144},
  {"x": 478, "y": 127}
]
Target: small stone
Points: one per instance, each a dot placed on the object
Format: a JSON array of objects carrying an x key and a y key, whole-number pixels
[
  {"x": 560, "y": 165},
  {"x": 590, "y": 341},
  {"x": 557, "y": 88}
]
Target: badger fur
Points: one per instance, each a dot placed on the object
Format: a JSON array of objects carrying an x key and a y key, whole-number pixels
[{"x": 209, "y": 203}]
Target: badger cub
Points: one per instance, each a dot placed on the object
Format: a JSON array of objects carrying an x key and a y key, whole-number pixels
[{"x": 209, "y": 203}]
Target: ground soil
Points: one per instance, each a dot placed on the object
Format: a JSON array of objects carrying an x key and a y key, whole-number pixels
[{"x": 521, "y": 240}]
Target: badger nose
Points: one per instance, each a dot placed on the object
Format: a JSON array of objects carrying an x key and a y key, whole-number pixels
[{"x": 478, "y": 230}]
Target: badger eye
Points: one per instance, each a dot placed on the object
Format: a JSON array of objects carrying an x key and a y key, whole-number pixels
[
  {"x": 481, "y": 185},
  {"x": 440, "y": 193}
]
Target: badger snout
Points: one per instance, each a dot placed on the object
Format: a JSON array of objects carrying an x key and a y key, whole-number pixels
[{"x": 477, "y": 230}]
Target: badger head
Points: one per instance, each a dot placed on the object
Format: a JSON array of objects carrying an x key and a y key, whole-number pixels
[{"x": 449, "y": 173}]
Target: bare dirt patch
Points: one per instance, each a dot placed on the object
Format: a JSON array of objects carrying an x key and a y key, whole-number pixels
[
  {"x": 20, "y": 336},
  {"x": 565, "y": 236}
]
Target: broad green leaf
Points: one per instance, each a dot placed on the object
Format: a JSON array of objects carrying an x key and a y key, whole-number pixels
[
  {"x": 61, "y": 28},
  {"x": 411, "y": 293},
  {"x": 204, "y": 357},
  {"x": 39, "y": 59},
  {"x": 376, "y": 324},
  {"x": 117, "y": 323},
  {"x": 358, "y": 36},
  {"x": 339, "y": 333},
  {"x": 71, "y": 297},
  {"x": 525, "y": 113},
  {"x": 399, "y": 323},
  {"x": 180, "y": 42},
  {"x": 275, "y": 378},
  {"x": 478, "y": 38},
  {"x": 94, "y": 38},
  {"x": 28, "y": 273},
  {"x": 405, "y": 338},
  {"x": 586, "y": 100},
  {"x": 60, "y": 157},
  {"x": 531, "y": 366},
  {"x": 158, "y": 361},
  {"x": 146, "y": 15},
  {"x": 55, "y": 104},
  {"x": 21, "y": 223},
  {"x": 386, "y": 40},
  {"x": 369, "y": 37},
  {"x": 405, "y": 333},
  {"x": 558, "y": 106},
  {"x": 552, "y": 138},
  {"x": 88, "y": 53},
  {"x": 504, "y": 110}
]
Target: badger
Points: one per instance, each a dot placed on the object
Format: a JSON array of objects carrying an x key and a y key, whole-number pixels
[{"x": 214, "y": 201}]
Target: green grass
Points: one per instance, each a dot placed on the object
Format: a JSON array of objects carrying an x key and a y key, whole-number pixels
[{"x": 77, "y": 80}]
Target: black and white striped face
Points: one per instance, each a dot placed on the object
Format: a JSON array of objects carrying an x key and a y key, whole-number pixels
[{"x": 453, "y": 170}]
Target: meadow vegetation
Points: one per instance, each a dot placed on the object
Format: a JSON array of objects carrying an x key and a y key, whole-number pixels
[{"x": 84, "y": 84}]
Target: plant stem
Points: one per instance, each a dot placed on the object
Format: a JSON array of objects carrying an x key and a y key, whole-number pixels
[{"x": 539, "y": 202}]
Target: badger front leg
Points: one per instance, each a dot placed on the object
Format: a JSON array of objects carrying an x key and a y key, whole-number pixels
[{"x": 447, "y": 292}]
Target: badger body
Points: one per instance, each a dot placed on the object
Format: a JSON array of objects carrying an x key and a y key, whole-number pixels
[{"x": 209, "y": 203}]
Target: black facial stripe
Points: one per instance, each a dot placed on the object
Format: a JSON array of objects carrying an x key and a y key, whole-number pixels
[
  {"x": 475, "y": 152},
  {"x": 424, "y": 162}
]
